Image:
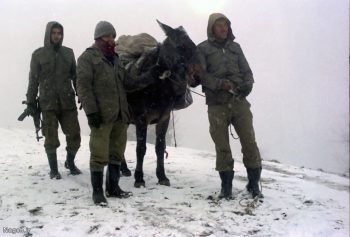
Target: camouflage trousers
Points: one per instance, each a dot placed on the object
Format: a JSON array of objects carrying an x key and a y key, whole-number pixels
[
  {"x": 236, "y": 112},
  {"x": 68, "y": 119},
  {"x": 107, "y": 144}
]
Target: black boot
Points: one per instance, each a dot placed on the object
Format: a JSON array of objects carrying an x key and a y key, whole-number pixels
[
  {"x": 253, "y": 182},
  {"x": 229, "y": 179},
  {"x": 249, "y": 186},
  {"x": 112, "y": 183},
  {"x": 226, "y": 184},
  {"x": 69, "y": 164},
  {"x": 97, "y": 189},
  {"x": 223, "y": 184},
  {"x": 124, "y": 169},
  {"x": 54, "y": 174}
]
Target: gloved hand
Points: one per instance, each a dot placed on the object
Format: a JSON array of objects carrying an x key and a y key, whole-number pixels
[
  {"x": 94, "y": 120},
  {"x": 31, "y": 108},
  {"x": 245, "y": 90}
]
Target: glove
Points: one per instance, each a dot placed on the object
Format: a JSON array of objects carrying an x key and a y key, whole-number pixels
[
  {"x": 94, "y": 120},
  {"x": 31, "y": 108},
  {"x": 245, "y": 90}
]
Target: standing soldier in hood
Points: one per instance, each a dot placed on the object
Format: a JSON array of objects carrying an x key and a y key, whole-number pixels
[
  {"x": 227, "y": 81},
  {"x": 53, "y": 72},
  {"x": 100, "y": 89}
]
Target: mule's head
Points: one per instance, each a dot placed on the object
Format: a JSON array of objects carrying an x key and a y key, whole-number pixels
[{"x": 177, "y": 48}]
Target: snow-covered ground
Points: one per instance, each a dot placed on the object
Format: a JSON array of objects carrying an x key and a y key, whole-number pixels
[{"x": 298, "y": 201}]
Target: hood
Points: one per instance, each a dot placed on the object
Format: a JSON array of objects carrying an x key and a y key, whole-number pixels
[
  {"x": 48, "y": 33},
  {"x": 214, "y": 17}
]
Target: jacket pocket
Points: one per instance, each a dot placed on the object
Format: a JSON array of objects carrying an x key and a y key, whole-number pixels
[
  {"x": 46, "y": 67},
  {"x": 101, "y": 73},
  {"x": 233, "y": 54}
]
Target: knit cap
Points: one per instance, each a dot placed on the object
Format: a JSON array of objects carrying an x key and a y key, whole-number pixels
[{"x": 104, "y": 28}]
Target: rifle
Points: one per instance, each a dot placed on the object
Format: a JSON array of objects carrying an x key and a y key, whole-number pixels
[{"x": 36, "y": 117}]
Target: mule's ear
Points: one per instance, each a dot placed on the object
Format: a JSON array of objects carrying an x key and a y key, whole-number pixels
[
  {"x": 182, "y": 28},
  {"x": 167, "y": 29}
]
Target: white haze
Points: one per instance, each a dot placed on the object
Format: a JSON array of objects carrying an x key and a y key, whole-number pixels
[{"x": 298, "y": 51}]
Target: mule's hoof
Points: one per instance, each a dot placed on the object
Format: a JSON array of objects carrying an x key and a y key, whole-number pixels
[
  {"x": 139, "y": 184},
  {"x": 126, "y": 173},
  {"x": 164, "y": 182}
]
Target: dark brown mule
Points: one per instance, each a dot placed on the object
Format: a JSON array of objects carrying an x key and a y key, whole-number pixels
[{"x": 153, "y": 104}]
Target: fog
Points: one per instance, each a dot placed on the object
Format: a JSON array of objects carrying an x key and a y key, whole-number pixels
[{"x": 298, "y": 51}]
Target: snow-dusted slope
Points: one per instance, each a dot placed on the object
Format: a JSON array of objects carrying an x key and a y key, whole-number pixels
[{"x": 298, "y": 201}]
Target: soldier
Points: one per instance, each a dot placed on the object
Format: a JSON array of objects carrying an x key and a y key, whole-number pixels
[
  {"x": 100, "y": 89},
  {"x": 52, "y": 72},
  {"x": 226, "y": 81}
]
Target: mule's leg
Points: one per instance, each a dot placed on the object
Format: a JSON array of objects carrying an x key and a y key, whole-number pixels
[
  {"x": 161, "y": 129},
  {"x": 141, "y": 135}
]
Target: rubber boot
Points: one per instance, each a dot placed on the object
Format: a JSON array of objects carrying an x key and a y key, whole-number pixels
[
  {"x": 223, "y": 184},
  {"x": 249, "y": 186},
  {"x": 112, "y": 183},
  {"x": 69, "y": 164},
  {"x": 253, "y": 182},
  {"x": 124, "y": 169},
  {"x": 229, "y": 179},
  {"x": 226, "y": 184},
  {"x": 54, "y": 174},
  {"x": 97, "y": 188}
]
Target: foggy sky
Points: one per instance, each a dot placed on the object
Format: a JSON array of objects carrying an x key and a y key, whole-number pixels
[{"x": 298, "y": 51}]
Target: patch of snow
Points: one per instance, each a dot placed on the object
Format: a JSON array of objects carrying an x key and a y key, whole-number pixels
[{"x": 298, "y": 201}]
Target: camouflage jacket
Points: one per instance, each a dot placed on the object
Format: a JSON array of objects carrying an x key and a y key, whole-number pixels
[
  {"x": 222, "y": 61},
  {"x": 100, "y": 86},
  {"x": 52, "y": 74}
]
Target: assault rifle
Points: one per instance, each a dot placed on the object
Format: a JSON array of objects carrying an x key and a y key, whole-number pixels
[{"x": 36, "y": 117}]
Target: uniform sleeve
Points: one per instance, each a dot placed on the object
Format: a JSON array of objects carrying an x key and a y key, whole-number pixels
[
  {"x": 245, "y": 69},
  {"x": 73, "y": 73},
  {"x": 33, "y": 84},
  {"x": 85, "y": 83},
  {"x": 208, "y": 80}
]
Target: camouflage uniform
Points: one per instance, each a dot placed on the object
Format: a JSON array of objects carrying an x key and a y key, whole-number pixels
[
  {"x": 226, "y": 61},
  {"x": 100, "y": 89},
  {"x": 52, "y": 73}
]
